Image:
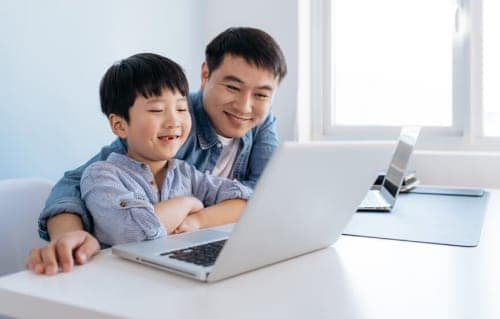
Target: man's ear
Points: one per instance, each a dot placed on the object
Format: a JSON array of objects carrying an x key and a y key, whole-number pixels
[
  {"x": 118, "y": 125},
  {"x": 204, "y": 74}
]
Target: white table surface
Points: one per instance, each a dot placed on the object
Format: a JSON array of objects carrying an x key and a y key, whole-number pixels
[{"x": 356, "y": 278}]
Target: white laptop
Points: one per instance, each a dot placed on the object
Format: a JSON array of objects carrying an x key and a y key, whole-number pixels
[
  {"x": 383, "y": 198},
  {"x": 302, "y": 202}
]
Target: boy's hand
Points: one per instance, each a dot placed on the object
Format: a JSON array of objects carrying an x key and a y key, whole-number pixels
[
  {"x": 190, "y": 223},
  {"x": 63, "y": 251},
  {"x": 172, "y": 212}
]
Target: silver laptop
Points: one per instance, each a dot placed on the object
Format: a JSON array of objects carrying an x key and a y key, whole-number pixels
[
  {"x": 302, "y": 202},
  {"x": 383, "y": 197}
]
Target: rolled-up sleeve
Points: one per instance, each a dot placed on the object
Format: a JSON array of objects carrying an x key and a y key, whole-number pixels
[
  {"x": 213, "y": 189},
  {"x": 120, "y": 215},
  {"x": 66, "y": 197}
]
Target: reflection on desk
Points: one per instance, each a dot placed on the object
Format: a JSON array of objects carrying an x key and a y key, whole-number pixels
[{"x": 357, "y": 278}]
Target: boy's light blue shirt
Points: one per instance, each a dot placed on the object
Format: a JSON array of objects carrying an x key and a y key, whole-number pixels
[
  {"x": 120, "y": 193},
  {"x": 201, "y": 149}
]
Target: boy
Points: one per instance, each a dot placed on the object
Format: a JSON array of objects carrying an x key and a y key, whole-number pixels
[
  {"x": 147, "y": 193},
  {"x": 241, "y": 72}
]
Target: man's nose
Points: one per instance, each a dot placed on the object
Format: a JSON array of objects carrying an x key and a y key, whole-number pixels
[{"x": 245, "y": 102}]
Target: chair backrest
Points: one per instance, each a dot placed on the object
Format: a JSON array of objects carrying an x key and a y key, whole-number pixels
[{"x": 21, "y": 201}]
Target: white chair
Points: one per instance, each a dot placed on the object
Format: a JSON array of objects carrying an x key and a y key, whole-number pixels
[{"x": 21, "y": 201}]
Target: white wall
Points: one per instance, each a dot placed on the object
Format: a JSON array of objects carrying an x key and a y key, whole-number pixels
[
  {"x": 278, "y": 18},
  {"x": 52, "y": 56},
  {"x": 471, "y": 169}
]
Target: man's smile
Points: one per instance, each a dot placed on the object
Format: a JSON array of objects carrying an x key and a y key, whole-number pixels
[{"x": 237, "y": 118}]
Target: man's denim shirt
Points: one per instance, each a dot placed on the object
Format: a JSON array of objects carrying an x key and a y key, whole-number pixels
[
  {"x": 201, "y": 149},
  {"x": 120, "y": 194}
]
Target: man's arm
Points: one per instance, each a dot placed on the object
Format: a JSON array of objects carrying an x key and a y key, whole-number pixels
[
  {"x": 65, "y": 196},
  {"x": 69, "y": 244},
  {"x": 62, "y": 222}
]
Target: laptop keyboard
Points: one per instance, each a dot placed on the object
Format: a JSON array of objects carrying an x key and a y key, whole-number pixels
[{"x": 203, "y": 255}]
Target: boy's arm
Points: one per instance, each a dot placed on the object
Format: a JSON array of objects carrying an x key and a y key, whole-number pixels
[
  {"x": 264, "y": 143},
  {"x": 223, "y": 198},
  {"x": 219, "y": 214},
  {"x": 212, "y": 189},
  {"x": 61, "y": 220},
  {"x": 66, "y": 197},
  {"x": 121, "y": 214},
  {"x": 173, "y": 211}
]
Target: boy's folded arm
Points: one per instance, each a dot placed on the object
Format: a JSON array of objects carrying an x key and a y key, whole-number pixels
[
  {"x": 173, "y": 211},
  {"x": 225, "y": 212},
  {"x": 120, "y": 215},
  {"x": 65, "y": 196},
  {"x": 213, "y": 189}
]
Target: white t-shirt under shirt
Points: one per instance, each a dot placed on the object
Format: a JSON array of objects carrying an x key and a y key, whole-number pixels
[{"x": 225, "y": 163}]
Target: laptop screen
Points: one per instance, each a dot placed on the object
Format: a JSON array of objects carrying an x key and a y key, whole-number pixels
[{"x": 399, "y": 162}]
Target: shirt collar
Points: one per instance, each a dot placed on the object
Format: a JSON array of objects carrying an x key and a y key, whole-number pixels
[
  {"x": 125, "y": 161},
  {"x": 205, "y": 132}
]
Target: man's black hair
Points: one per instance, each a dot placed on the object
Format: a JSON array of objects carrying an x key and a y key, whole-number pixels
[
  {"x": 146, "y": 74},
  {"x": 255, "y": 46}
]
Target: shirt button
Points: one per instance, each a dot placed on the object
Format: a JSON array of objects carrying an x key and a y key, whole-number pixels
[
  {"x": 152, "y": 183},
  {"x": 219, "y": 145},
  {"x": 143, "y": 166},
  {"x": 123, "y": 203}
]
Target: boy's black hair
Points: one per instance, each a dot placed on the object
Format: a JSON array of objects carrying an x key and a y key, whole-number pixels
[
  {"x": 255, "y": 46},
  {"x": 146, "y": 74}
]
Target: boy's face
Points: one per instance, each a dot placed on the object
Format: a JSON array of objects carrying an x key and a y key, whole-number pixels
[
  {"x": 237, "y": 95},
  {"x": 157, "y": 126}
]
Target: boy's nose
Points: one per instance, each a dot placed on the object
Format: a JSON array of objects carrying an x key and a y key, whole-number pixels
[
  {"x": 171, "y": 123},
  {"x": 171, "y": 120}
]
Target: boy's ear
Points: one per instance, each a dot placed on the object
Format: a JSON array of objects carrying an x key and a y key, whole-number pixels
[
  {"x": 204, "y": 74},
  {"x": 118, "y": 125}
]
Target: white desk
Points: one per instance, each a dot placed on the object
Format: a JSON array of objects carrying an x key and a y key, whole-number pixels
[{"x": 357, "y": 278}]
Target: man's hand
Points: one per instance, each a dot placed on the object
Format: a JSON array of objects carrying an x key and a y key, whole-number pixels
[{"x": 63, "y": 251}]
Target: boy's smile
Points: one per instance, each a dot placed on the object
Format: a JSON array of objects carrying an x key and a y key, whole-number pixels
[{"x": 157, "y": 127}]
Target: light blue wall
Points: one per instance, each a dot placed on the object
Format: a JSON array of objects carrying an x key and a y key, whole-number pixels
[{"x": 52, "y": 56}]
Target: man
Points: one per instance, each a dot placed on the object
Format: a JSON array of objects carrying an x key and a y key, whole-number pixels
[{"x": 233, "y": 135}]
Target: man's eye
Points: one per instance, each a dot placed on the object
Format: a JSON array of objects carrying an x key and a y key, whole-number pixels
[
  {"x": 232, "y": 88},
  {"x": 181, "y": 110},
  {"x": 261, "y": 96},
  {"x": 156, "y": 111}
]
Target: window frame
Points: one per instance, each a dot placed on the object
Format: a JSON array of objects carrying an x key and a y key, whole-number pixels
[{"x": 466, "y": 130}]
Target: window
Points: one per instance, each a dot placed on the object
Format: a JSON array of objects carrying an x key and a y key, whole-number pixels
[
  {"x": 392, "y": 62},
  {"x": 491, "y": 67},
  {"x": 388, "y": 63}
]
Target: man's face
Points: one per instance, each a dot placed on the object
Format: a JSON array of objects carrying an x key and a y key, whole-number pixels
[{"x": 237, "y": 95}]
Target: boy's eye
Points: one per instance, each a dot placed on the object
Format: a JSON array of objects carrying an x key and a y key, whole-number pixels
[
  {"x": 182, "y": 110},
  {"x": 156, "y": 110}
]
